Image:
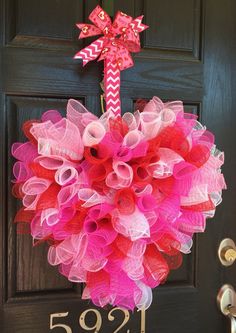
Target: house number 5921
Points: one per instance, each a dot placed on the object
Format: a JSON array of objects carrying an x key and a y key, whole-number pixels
[{"x": 96, "y": 327}]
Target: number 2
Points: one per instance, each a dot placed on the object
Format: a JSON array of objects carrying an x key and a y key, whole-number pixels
[
  {"x": 126, "y": 318},
  {"x": 59, "y": 315}
]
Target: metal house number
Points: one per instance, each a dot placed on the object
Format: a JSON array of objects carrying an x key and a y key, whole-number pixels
[{"x": 96, "y": 327}]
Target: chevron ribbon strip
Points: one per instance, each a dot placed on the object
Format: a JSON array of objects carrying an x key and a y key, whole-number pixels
[{"x": 112, "y": 87}]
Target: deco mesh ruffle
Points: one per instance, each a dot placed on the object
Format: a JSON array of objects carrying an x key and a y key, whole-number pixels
[{"x": 117, "y": 198}]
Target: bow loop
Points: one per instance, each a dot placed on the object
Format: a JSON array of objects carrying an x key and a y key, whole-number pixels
[
  {"x": 131, "y": 41},
  {"x": 88, "y": 30},
  {"x": 100, "y": 18},
  {"x": 121, "y": 23},
  {"x": 123, "y": 58},
  {"x": 119, "y": 54}
]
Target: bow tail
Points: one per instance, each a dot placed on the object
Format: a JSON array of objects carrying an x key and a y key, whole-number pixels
[{"x": 90, "y": 52}]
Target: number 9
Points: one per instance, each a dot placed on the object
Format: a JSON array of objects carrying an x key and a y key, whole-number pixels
[{"x": 98, "y": 323}]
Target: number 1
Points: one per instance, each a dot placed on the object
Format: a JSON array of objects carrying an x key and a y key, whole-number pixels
[{"x": 143, "y": 321}]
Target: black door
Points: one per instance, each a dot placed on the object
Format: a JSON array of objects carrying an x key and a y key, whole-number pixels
[{"x": 189, "y": 54}]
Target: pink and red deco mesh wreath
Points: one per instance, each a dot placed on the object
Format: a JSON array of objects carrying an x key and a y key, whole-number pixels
[{"x": 117, "y": 198}]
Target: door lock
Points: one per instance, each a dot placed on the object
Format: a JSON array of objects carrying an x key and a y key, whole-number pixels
[
  {"x": 227, "y": 252},
  {"x": 226, "y": 301}
]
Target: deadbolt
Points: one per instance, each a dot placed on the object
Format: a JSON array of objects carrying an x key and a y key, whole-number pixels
[{"x": 227, "y": 252}]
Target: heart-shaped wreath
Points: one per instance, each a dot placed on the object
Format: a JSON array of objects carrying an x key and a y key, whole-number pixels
[{"x": 117, "y": 198}]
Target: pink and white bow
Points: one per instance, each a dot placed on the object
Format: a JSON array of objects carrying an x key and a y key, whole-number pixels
[{"x": 119, "y": 39}]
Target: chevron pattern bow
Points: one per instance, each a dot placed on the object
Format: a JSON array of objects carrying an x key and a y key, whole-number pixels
[{"x": 119, "y": 39}]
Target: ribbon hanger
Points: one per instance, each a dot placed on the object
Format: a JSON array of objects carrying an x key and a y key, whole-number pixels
[{"x": 119, "y": 39}]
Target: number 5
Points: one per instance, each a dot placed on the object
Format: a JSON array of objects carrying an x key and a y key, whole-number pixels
[{"x": 59, "y": 315}]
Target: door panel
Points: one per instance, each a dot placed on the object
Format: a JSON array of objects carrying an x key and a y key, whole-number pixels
[
  {"x": 179, "y": 36},
  {"x": 187, "y": 54}
]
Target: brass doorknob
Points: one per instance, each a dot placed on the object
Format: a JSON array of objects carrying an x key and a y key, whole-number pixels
[
  {"x": 226, "y": 300},
  {"x": 227, "y": 252}
]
